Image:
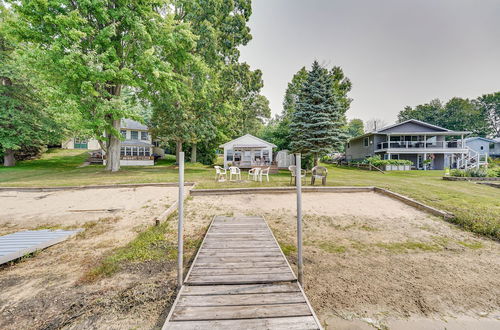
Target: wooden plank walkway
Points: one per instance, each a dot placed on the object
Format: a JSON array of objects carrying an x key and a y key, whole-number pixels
[{"x": 240, "y": 279}]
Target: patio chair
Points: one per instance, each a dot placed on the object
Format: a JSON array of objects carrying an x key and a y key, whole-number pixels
[
  {"x": 292, "y": 169},
  {"x": 254, "y": 173},
  {"x": 220, "y": 174},
  {"x": 233, "y": 170},
  {"x": 319, "y": 172},
  {"x": 264, "y": 172}
]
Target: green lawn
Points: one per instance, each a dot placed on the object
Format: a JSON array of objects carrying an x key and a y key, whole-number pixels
[{"x": 477, "y": 207}]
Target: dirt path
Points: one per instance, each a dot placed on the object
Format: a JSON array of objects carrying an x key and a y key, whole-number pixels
[{"x": 370, "y": 261}]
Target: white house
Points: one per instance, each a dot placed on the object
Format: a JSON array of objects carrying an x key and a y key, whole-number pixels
[
  {"x": 136, "y": 148},
  {"x": 248, "y": 151}
]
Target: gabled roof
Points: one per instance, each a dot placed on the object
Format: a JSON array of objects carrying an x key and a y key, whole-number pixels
[
  {"x": 419, "y": 122},
  {"x": 250, "y": 136},
  {"x": 479, "y": 138},
  {"x": 132, "y": 124},
  {"x": 439, "y": 130}
]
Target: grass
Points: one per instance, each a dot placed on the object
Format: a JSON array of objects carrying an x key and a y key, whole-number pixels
[
  {"x": 151, "y": 244},
  {"x": 331, "y": 247},
  {"x": 476, "y": 207},
  {"x": 402, "y": 247}
]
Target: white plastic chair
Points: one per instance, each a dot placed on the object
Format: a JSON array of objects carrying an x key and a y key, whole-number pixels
[
  {"x": 264, "y": 172},
  {"x": 253, "y": 173},
  {"x": 233, "y": 170},
  {"x": 220, "y": 174}
]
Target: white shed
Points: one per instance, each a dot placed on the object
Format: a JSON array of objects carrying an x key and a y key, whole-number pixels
[{"x": 248, "y": 151}]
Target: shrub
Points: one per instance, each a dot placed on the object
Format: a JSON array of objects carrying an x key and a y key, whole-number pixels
[{"x": 378, "y": 162}]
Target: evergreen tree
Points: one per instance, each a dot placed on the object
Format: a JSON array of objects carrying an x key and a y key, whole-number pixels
[{"x": 318, "y": 120}]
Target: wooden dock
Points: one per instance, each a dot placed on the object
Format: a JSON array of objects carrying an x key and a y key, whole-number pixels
[{"x": 240, "y": 279}]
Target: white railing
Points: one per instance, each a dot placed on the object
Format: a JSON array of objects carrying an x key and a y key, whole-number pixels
[
  {"x": 410, "y": 145},
  {"x": 472, "y": 159}
]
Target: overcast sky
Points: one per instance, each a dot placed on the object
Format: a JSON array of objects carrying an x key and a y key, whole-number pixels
[{"x": 396, "y": 52}]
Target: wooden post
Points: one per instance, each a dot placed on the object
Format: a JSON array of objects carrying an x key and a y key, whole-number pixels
[
  {"x": 298, "y": 183},
  {"x": 180, "y": 242}
]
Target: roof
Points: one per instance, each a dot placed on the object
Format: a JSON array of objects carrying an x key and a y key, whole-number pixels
[
  {"x": 423, "y": 123},
  {"x": 259, "y": 145},
  {"x": 137, "y": 143},
  {"x": 479, "y": 138},
  {"x": 132, "y": 124},
  {"x": 444, "y": 131}
]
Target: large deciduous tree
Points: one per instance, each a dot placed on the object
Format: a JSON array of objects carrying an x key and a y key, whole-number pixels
[
  {"x": 229, "y": 102},
  {"x": 490, "y": 105},
  {"x": 355, "y": 127},
  {"x": 318, "y": 120},
  {"x": 93, "y": 49},
  {"x": 26, "y": 121}
]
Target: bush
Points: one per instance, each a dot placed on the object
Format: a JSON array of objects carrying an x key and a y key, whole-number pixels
[
  {"x": 476, "y": 173},
  {"x": 378, "y": 162}
]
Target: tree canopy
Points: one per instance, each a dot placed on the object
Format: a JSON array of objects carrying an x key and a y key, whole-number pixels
[
  {"x": 476, "y": 116},
  {"x": 26, "y": 121},
  {"x": 319, "y": 116}
]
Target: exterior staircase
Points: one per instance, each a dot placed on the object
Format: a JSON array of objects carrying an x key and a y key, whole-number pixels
[{"x": 472, "y": 159}]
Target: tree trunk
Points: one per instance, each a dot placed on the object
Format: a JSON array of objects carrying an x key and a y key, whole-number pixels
[
  {"x": 113, "y": 152},
  {"x": 193, "y": 153},
  {"x": 8, "y": 158},
  {"x": 316, "y": 159},
  {"x": 178, "y": 148}
]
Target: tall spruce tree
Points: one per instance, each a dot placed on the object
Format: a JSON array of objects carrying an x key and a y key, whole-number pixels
[{"x": 317, "y": 123}]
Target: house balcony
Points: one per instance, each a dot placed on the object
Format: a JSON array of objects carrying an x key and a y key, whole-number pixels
[{"x": 410, "y": 147}]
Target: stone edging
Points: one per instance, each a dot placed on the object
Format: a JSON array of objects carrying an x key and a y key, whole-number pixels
[
  {"x": 274, "y": 190},
  {"x": 461, "y": 178},
  {"x": 414, "y": 203},
  {"x": 109, "y": 186}
]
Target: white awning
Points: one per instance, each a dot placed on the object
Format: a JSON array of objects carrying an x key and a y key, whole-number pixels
[{"x": 249, "y": 146}]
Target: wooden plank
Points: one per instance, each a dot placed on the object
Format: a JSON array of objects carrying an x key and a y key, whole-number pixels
[
  {"x": 239, "y": 271},
  {"x": 240, "y": 264},
  {"x": 289, "y": 323},
  {"x": 254, "y": 249},
  {"x": 242, "y": 299},
  {"x": 240, "y": 255},
  {"x": 243, "y": 245},
  {"x": 241, "y": 288},
  {"x": 237, "y": 259},
  {"x": 239, "y": 312},
  {"x": 247, "y": 278}
]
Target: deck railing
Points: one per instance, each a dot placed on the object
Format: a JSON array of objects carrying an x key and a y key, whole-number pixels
[{"x": 420, "y": 145}]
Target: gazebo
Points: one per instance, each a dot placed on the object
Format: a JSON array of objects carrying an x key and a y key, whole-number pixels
[{"x": 248, "y": 151}]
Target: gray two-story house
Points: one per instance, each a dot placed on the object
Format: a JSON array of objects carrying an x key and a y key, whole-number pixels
[{"x": 416, "y": 141}]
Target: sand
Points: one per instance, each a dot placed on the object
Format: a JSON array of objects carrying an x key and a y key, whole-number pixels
[{"x": 370, "y": 261}]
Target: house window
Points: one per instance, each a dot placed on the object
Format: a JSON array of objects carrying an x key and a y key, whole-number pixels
[
  {"x": 141, "y": 151},
  {"x": 128, "y": 151},
  {"x": 146, "y": 152},
  {"x": 122, "y": 151},
  {"x": 229, "y": 156},
  {"x": 144, "y": 135},
  {"x": 134, "y": 135},
  {"x": 366, "y": 142},
  {"x": 123, "y": 133},
  {"x": 134, "y": 151}
]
